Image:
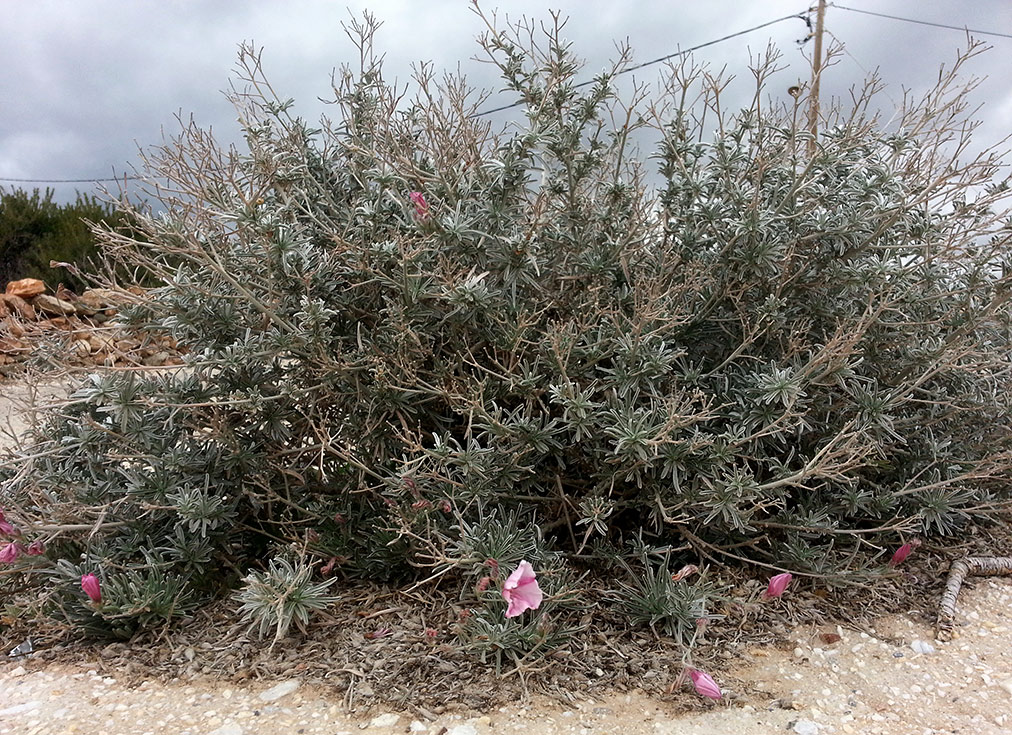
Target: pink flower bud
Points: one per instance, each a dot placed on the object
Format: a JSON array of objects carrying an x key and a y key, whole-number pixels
[
  {"x": 903, "y": 552},
  {"x": 36, "y": 548},
  {"x": 421, "y": 206},
  {"x": 704, "y": 684},
  {"x": 777, "y": 585},
  {"x": 9, "y": 552},
  {"x": 483, "y": 583},
  {"x": 91, "y": 587},
  {"x": 431, "y": 633}
]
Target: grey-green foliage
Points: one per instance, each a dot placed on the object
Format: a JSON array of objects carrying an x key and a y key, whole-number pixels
[
  {"x": 775, "y": 354},
  {"x": 280, "y": 595}
]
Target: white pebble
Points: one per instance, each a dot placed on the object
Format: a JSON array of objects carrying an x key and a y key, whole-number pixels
[
  {"x": 279, "y": 690},
  {"x": 920, "y": 646},
  {"x": 18, "y": 709},
  {"x": 388, "y": 719},
  {"x": 805, "y": 727}
]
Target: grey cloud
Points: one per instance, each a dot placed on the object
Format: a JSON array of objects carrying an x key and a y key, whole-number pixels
[{"x": 83, "y": 83}]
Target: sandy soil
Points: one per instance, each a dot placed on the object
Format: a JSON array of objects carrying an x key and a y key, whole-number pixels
[{"x": 866, "y": 681}]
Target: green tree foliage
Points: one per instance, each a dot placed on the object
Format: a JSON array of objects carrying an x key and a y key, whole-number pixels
[
  {"x": 772, "y": 357},
  {"x": 35, "y": 229}
]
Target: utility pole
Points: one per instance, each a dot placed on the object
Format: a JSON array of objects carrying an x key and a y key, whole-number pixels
[{"x": 813, "y": 109}]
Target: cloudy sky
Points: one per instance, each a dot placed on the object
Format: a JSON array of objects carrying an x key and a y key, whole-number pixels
[{"x": 84, "y": 83}]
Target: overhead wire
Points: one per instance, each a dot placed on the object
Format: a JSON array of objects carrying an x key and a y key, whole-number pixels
[
  {"x": 921, "y": 22},
  {"x": 675, "y": 55},
  {"x": 801, "y": 16}
]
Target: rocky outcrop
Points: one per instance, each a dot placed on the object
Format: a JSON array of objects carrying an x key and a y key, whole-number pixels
[{"x": 76, "y": 329}]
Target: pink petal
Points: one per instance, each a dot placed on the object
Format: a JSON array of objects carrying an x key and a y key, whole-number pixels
[
  {"x": 777, "y": 585},
  {"x": 704, "y": 684},
  {"x": 9, "y": 553},
  {"x": 521, "y": 590},
  {"x": 901, "y": 553},
  {"x": 91, "y": 587}
]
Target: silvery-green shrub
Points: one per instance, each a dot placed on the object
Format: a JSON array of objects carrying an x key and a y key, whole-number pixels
[{"x": 727, "y": 344}]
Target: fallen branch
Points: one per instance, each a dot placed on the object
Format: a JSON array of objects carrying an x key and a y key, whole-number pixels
[{"x": 974, "y": 565}]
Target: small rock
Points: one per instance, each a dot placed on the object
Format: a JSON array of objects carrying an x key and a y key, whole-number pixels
[
  {"x": 463, "y": 730},
  {"x": 52, "y": 305},
  {"x": 19, "y": 306},
  {"x": 19, "y": 671},
  {"x": 156, "y": 360},
  {"x": 81, "y": 347},
  {"x": 920, "y": 646},
  {"x": 229, "y": 728},
  {"x": 805, "y": 727},
  {"x": 102, "y": 298},
  {"x": 26, "y": 288},
  {"x": 19, "y": 709},
  {"x": 279, "y": 690},
  {"x": 417, "y": 726},
  {"x": 1006, "y": 685},
  {"x": 787, "y": 703},
  {"x": 388, "y": 719}
]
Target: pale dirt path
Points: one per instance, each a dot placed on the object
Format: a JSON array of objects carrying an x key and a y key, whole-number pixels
[{"x": 867, "y": 682}]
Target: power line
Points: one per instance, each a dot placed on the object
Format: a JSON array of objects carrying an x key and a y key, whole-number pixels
[
  {"x": 69, "y": 181},
  {"x": 923, "y": 22},
  {"x": 799, "y": 16}
]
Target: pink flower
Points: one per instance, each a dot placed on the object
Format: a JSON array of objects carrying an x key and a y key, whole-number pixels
[
  {"x": 36, "y": 548},
  {"x": 91, "y": 587},
  {"x": 9, "y": 552},
  {"x": 421, "y": 206},
  {"x": 903, "y": 552},
  {"x": 483, "y": 583},
  {"x": 777, "y": 585},
  {"x": 521, "y": 590},
  {"x": 704, "y": 684}
]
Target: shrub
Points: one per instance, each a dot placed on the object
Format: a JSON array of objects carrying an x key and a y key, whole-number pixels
[
  {"x": 405, "y": 323},
  {"x": 35, "y": 230}
]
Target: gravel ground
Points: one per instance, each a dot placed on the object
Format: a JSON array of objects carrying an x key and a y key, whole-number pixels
[
  {"x": 866, "y": 682},
  {"x": 891, "y": 678}
]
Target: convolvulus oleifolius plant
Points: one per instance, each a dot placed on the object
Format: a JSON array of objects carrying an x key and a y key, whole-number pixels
[{"x": 408, "y": 321}]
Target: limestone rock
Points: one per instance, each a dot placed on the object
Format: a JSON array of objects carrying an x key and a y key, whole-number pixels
[
  {"x": 52, "y": 305},
  {"x": 26, "y": 288},
  {"x": 18, "y": 306},
  {"x": 104, "y": 298},
  {"x": 279, "y": 690},
  {"x": 388, "y": 719}
]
